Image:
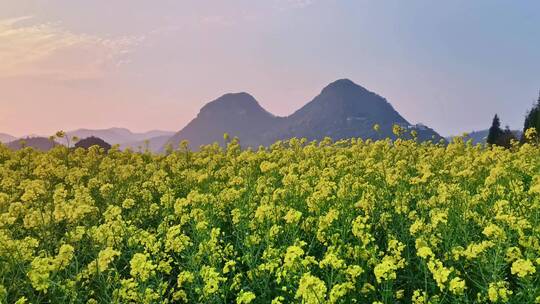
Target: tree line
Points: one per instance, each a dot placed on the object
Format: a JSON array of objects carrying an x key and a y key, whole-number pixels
[{"x": 504, "y": 137}]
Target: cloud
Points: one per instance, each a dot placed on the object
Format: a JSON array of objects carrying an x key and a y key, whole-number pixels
[{"x": 48, "y": 50}]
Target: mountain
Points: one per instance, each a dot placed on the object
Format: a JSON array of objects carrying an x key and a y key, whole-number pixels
[
  {"x": 346, "y": 110},
  {"x": 238, "y": 114},
  {"x": 5, "y": 138},
  {"x": 115, "y": 135},
  {"x": 38, "y": 143},
  {"x": 343, "y": 109}
]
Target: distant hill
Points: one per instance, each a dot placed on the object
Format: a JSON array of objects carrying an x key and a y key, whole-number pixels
[
  {"x": 38, "y": 143},
  {"x": 88, "y": 142},
  {"x": 154, "y": 144},
  {"x": 115, "y": 136},
  {"x": 343, "y": 109},
  {"x": 5, "y": 138},
  {"x": 479, "y": 137}
]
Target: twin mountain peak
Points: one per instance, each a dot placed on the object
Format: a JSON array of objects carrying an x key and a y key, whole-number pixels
[{"x": 343, "y": 109}]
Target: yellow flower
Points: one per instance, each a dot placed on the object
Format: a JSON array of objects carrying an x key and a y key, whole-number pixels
[
  {"x": 367, "y": 288},
  {"x": 386, "y": 269},
  {"x": 128, "y": 203},
  {"x": 397, "y": 130},
  {"x": 292, "y": 216},
  {"x": 229, "y": 266},
  {"x": 331, "y": 260},
  {"x": 185, "y": 277},
  {"x": 65, "y": 254},
  {"x": 523, "y": 268},
  {"x": 262, "y": 212},
  {"x": 236, "y": 215},
  {"x": 293, "y": 254},
  {"x": 141, "y": 268},
  {"x": 360, "y": 229},
  {"x": 175, "y": 240},
  {"x": 530, "y": 133},
  {"x": 339, "y": 291},
  {"x": 439, "y": 272},
  {"x": 60, "y": 134},
  {"x": 424, "y": 252},
  {"x": 474, "y": 250},
  {"x": 21, "y": 300},
  {"x": 105, "y": 257},
  {"x": 457, "y": 286},
  {"x": 512, "y": 253},
  {"x": 353, "y": 272},
  {"x": 245, "y": 297},
  {"x": 311, "y": 290},
  {"x": 419, "y": 297},
  {"x": 40, "y": 272},
  {"x": 212, "y": 279},
  {"x": 499, "y": 291},
  {"x": 416, "y": 227},
  {"x": 494, "y": 232}
]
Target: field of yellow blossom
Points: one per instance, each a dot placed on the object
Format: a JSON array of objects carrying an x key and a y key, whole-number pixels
[{"x": 299, "y": 222}]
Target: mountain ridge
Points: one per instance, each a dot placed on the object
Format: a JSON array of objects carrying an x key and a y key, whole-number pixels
[
  {"x": 38, "y": 143},
  {"x": 343, "y": 109},
  {"x": 115, "y": 135},
  {"x": 6, "y": 138}
]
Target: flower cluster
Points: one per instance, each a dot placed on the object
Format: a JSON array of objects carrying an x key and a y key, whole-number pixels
[{"x": 350, "y": 221}]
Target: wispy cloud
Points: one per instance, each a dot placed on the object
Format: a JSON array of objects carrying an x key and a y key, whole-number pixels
[{"x": 47, "y": 49}]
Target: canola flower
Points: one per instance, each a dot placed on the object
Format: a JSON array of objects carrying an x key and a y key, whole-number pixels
[
  {"x": 523, "y": 268},
  {"x": 311, "y": 290},
  {"x": 350, "y": 221}
]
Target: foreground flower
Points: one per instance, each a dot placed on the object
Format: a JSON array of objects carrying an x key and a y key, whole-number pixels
[
  {"x": 141, "y": 267},
  {"x": 311, "y": 290},
  {"x": 523, "y": 268},
  {"x": 245, "y": 297}
]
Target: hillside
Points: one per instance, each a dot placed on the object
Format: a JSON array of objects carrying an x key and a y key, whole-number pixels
[{"x": 38, "y": 143}]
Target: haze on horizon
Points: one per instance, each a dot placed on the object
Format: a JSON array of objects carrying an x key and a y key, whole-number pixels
[{"x": 145, "y": 65}]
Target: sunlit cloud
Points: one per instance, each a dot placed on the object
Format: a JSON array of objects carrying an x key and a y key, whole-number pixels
[{"x": 46, "y": 49}]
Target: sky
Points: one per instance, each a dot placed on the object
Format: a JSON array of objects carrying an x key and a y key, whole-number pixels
[{"x": 148, "y": 65}]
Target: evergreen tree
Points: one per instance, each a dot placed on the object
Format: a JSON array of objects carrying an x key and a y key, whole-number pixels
[
  {"x": 532, "y": 120},
  {"x": 495, "y": 131},
  {"x": 506, "y": 138}
]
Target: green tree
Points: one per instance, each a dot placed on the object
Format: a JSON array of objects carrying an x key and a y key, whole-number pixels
[
  {"x": 505, "y": 138},
  {"x": 532, "y": 120},
  {"x": 495, "y": 131}
]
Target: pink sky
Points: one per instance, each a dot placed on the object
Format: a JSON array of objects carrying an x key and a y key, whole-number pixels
[{"x": 151, "y": 65}]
